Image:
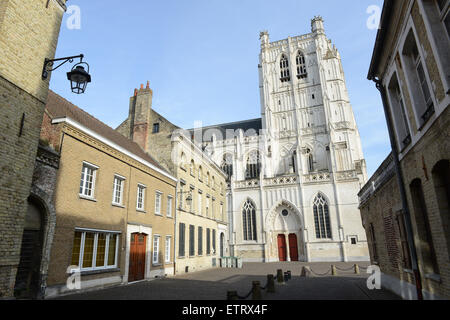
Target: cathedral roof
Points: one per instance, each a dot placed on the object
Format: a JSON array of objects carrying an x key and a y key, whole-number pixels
[
  {"x": 250, "y": 127},
  {"x": 58, "y": 107}
]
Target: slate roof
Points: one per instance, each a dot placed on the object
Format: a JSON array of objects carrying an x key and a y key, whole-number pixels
[
  {"x": 250, "y": 127},
  {"x": 58, "y": 107}
]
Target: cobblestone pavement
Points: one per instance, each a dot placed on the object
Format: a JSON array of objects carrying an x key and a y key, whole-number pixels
[{"x": 213, "y": 284}]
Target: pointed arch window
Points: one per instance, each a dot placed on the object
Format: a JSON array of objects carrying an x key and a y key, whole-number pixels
[
  {"x": 301, "y": 66},
  {"x": 192, "y": 168},
  {"x": 253, "y": 166},
  {"x": 322, "y": 218},
  {"x": 249, "y": 221},
  {"x": 284, "y": 69},
  {"x": 227, "y": 165},
  {"x": 310, "y": 160}
]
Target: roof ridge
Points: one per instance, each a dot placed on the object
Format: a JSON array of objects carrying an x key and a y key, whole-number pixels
[{"x": 227, "y": 123}]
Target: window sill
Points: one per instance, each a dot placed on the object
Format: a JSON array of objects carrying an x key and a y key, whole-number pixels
[
  {"x": 118, "y": 205},
  {"x": 87, "y": 198},
  {"x": 433, "y": 277},
  {"x": 158, "y": 214},
  {"x": 157, "y": 264},
  {"x": 92, "y": 272},
  {"x": 141, "y": 211}
]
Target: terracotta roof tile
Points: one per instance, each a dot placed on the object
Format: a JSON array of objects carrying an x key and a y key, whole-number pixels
[{"x": 58, "y": 107}]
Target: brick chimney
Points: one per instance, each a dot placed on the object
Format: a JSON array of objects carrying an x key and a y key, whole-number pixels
[{"x": 140, "y": 107}]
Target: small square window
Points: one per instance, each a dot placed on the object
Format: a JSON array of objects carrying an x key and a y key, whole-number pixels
[
  {"x": 353, "y": 240},
  {"x": 156, "y": 128}
]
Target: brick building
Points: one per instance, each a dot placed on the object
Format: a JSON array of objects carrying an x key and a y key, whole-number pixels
[
  {"x": 405, "y": 205},
  {"x": 114, "y": 204},
  {"x": 29, "y": 31},
  {"x": 201, "y": 219}
]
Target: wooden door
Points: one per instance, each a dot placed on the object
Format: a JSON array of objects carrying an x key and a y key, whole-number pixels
[
  {"x": 137, "y": 257},
  {"x": 282, "y": 247},
  {"x": 293, "y": 247}
]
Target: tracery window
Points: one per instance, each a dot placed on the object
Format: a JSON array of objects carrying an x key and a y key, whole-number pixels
[
  {"x": 284, "y": 68},
  {"x": 253, "y": 166},
  {"x": 301, "y": 66},
  {"x": 322, "y": 218},
  {"x": 249, "y": 221}
]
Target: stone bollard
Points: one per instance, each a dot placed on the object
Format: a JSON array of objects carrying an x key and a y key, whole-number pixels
[
  {"x": 333, "y": 270},
  {"x": 270, "y": 283},
  {"x": 232, "y": 295},
  {"x": 256, "y": 290},
  {"x": 280, "y": 276},
  {"x": 306, "y": 272},
  {"x": 357, "y": 269}
]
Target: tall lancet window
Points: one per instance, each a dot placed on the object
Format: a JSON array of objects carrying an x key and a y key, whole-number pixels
[
  {"x": 322, "y": 218},
  {"x": 253, "y": 166},
  {"x": 284, "y": 68},
  {"x": 301, "y": 66},
  {"x": 227, "y": 165},
  {"x": 310, "y": 160},
  {"x": 249, "y": 221}
]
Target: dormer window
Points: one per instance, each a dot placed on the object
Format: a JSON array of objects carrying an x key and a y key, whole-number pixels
[
  {"x": 284, "y": 68},
  {"x": 301, "y": 66}
]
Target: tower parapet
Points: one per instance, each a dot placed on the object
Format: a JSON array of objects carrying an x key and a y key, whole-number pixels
[{"x": 317, "y": 25}]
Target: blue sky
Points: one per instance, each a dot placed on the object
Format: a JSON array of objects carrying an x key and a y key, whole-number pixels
[{"x": 201, "y": 58}]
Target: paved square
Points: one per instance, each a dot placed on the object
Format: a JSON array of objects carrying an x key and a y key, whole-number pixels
[{"x": 213, "y": 284}]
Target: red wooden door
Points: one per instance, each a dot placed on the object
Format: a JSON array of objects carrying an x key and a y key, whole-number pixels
[
  {"x": 282, "y": 247},
  {"x": 293, "y": 247},
  {"x": 137, "y": 257}
]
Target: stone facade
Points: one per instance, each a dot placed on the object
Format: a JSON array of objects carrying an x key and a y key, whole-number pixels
[
  {"x": 199, "y": 178},
  {"x": 301, "y": 165},
  {"x": 421, "y": 137},
  {"x": 84, "y": 141},
  {"x": 29, "y": 33}
]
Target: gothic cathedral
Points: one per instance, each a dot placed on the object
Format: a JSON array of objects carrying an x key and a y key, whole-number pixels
[{"x": 294, "y": 174}]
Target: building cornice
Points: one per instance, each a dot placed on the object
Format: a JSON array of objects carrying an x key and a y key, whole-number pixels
[{"x": 111, "y": 144}]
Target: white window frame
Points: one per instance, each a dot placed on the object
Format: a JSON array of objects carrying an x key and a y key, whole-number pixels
[
  {"x": 169, "y": 206},
  {"x": 167, "y": 249},
  {"x": 158, "y": 195},
  {"x": 121, "y": 180},
  {"x": 200, "y": 209},
  {"x": 140, "y": 205},
  {"x": 155, "y": 253},
  {"x": 94, "y": 257},
  {"x": 88, "y": 166}
]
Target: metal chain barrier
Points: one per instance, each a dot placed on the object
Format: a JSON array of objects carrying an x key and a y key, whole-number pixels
[
  {"x": 344, "y": 270},
  {"x": 320, "y": 274},
  {"x": 251, "y": 290}
]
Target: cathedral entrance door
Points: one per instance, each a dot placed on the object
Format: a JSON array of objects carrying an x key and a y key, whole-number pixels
[
  {"x": 293, "y": 247},
  {"x": 282, "y": 247}
]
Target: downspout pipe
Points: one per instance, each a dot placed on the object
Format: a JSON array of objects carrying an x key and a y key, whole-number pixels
[{"x": 399, "y": 175}]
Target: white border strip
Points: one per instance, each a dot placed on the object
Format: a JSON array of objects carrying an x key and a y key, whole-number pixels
[{"x": 111, "y": 144}]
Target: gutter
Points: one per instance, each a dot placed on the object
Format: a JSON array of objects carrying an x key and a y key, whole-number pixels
[{"x": 399, "y": 175}]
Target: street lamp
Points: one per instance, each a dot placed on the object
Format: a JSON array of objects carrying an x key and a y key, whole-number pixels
[
  {"x": 188, "y": 199},
  {"x": 78, "y": 76}
]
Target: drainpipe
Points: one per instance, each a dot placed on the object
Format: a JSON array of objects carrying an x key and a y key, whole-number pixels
[{"x": 399, "y": 175}]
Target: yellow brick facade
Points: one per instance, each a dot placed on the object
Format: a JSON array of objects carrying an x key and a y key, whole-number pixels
[
  {"x": 29, "y": 31},
  {"x": 205, "y": 183},
  {"x": 75, "y": 212}
]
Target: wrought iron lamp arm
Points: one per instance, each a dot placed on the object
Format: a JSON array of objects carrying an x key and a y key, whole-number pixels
[{"x": 48, "y": 64}]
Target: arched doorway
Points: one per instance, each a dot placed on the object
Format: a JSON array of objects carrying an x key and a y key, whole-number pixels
[
  {"x": 28, "y": 280},
  {"x": 284, "y": 233}
]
